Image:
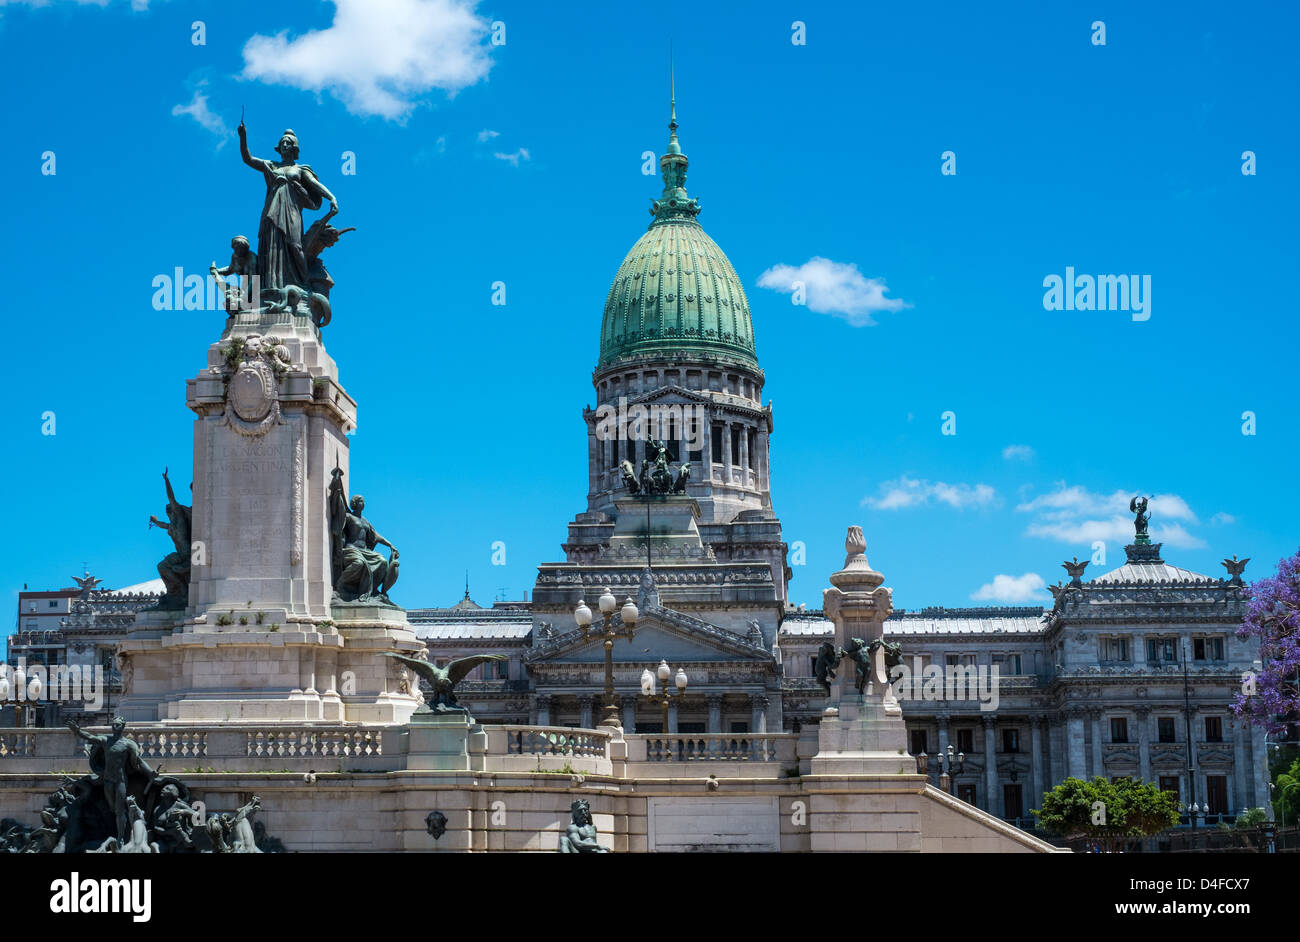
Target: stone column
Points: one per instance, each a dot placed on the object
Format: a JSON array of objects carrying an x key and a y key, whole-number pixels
[
  {"x": 726, "y": 451},
  {"x": 714, "y": 701},
  {"x": 672, "y": 717},
  {"x": 584, "y": 711},
  {"x": 758, "y": 723},
  {"x": 629, "y": 715},
  {"x": 1098, "y": 766},
  {"x": 1037, "y": 759},
  {"x": 1075, "y": 765},
  {"x": 1259, "y": 771},
  {"x": 991, "y": 765},
  {"x": 1240, "y": 763},
  {"x": 1144, "y": 743},
  {"x": 744, "y": 453},
  {"x": 543, "y": 702}
]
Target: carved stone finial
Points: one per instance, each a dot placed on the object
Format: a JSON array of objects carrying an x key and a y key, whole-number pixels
[
  {"x": 1075, "y": 569},
  {"x": 855, "y": 544}
]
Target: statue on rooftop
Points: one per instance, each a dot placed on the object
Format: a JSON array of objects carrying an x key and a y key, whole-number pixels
[{"x": 1138, "y": 506}]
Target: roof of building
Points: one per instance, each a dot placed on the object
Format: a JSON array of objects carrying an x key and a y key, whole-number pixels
[
  {"x": 676, "y": 294},
  {"x": 1026, "y": 619},
  {"x": 1150, "y": 572},
  {"x": 474, "y": 631}
]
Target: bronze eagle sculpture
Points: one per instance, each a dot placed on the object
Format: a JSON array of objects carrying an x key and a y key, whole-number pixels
[{"x": 443, "y": 680}]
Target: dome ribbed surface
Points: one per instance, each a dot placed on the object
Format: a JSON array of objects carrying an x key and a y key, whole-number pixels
[{"x": 676, "y": 296}]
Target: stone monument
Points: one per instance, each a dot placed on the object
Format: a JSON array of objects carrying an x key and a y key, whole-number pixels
[
  {"x": 862, "y": 729},
  {"x": 269, "y": 629}
]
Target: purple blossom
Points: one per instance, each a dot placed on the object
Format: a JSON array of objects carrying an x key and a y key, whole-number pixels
[{"x": 1273, "y": 619}]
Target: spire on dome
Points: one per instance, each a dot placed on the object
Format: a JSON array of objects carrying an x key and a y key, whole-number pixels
[{"x": 674, "y": 203}]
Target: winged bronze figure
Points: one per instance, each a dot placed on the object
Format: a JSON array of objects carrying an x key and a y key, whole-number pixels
[{"x": 443, "y": 680}]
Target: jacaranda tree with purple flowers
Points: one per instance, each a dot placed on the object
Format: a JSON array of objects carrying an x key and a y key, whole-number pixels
[{"x": 1273, "y": 619}]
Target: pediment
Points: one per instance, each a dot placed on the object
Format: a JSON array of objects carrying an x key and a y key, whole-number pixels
[
  {"x": 673, "y": 393},
  {"x": 655, "y": 639}
]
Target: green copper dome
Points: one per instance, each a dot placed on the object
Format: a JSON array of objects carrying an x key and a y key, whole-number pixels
[{"x": 676, "y": 295}]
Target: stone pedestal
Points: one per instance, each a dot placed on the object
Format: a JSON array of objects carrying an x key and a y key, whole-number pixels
[
  {"x": 262, "y": 639},
  {"x": 670, "y": 522},
  {"x": 860, "y": 734},
  {"x": 444, "y": 742}
]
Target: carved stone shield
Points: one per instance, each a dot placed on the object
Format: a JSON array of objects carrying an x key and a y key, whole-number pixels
[{"x": 252, "y": 392}]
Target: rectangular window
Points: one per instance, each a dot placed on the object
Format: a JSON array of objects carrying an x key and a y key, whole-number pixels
[
  {"x": 1118, "y": 729},
  {"x": 1213, "y": 729},
  {"x": 753, "y": 461},
  {"x": 1169, "y": 783},
  {"x": 1115, "y": 649},
  {"x": 966, "y": 793},
  {"x": 1011, "y": 741},
  {"x": 613, "y": 450},
  {"x": 53, "y": 604},
  {"x": 966, "y": 741},
  {"x": 673, "y": 441},
  {"x": 1198, "y": 649},
  {"x": 1216, "y": 794},
  {"x": 1012, "y": 801},
  {"x": 812, "y": 665},
  {"x": 1216, "y": 649},
  {"x": 717, "y": 444},
  {"x": 1166, "y": 729},
  {"x": 503, "y": 670},
  {"x": 694, "y": 456},
  {"x": 1007, "y": 664},
  {"x": 950, "y": 660},
  {"x": 740, "y": 727},
  {"x": 919, "y": 742},
  {"x": 735, "y": 445},
  {"x": 1162, "y": 649},
  {"x": 691, "y": 728}
]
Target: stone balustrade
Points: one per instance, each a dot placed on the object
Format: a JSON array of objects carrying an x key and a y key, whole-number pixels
[
  {"x": 714, "y": 747},
  {"x": 548, "y": 741}
]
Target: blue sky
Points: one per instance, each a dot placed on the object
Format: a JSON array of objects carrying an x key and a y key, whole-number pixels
[{"x": 522, "y": 163}]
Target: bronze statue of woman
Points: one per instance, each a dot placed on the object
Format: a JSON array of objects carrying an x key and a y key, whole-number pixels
[{"x": 290, "y": 187}]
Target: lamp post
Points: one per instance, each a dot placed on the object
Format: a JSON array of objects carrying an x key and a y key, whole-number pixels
[
  {"x": 16, "y": 689},
  {"x": 665, "y": 697},
  {"x": 946, "y": 767},
  {"x": 629, "y": 613}
]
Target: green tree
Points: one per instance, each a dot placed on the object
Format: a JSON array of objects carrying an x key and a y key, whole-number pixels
[
  {"x": 1286, "y": 795},
  {"x": 1107, "y": 813}
]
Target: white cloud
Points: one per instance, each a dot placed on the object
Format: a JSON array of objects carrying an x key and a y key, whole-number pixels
[
  {"x": 908, "y": 492},
  {"x": 379, "y": 57},
  {"x": 515, "y": 158},
  {"x": 486, "y": 135},
  {"x": 1017, "y": 453},
  {"x": 1077, "y": 515},
  {"x": 1222, "y": 520},
  {"x": 833, "y": 288},
  {"x": 199, "y": 111},
  {"x": 1027, "y": 588}
]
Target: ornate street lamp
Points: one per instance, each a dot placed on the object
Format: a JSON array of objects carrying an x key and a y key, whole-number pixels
[
  {"x": 665, "y": 695},
  {"x": 629, "y": 613},
  {"x": 16, "y": 689},
  {"x": 946, "y": 767}
]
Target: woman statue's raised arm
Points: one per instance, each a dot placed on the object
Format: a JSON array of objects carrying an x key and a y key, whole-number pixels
[{"x": 257, "y": 163}]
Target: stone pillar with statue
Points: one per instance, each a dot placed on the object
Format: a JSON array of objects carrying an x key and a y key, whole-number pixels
[
  {"x": 278, "y": 608},
  {"x": 862, "y": 729}
]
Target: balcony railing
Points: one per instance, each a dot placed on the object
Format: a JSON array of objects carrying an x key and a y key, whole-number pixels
[{"x": 735, "y": 747}]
